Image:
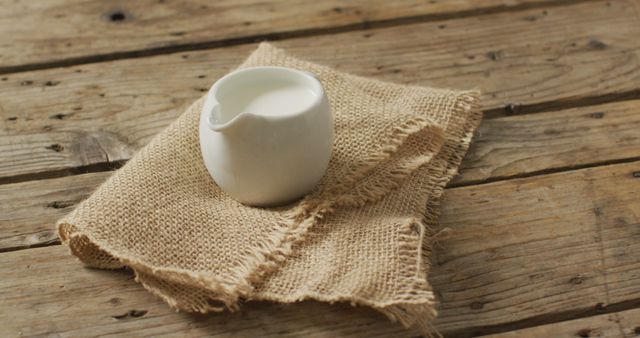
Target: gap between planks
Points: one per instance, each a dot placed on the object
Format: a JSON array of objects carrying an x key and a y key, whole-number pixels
[
  {"x": 276, "y": 36},
  {"x": 543, "y": 172}
]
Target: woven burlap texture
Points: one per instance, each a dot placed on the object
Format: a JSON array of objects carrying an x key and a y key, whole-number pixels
[{"x": 363, "y": 235}]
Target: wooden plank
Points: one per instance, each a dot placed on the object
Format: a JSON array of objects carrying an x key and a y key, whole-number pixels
[
  {"x": 551, "y": 247},
  {"x": 619, "y": 324},
  {"x": 504, "y": 147},
  {"x": 533, "y": 143},
  {"x": 554, "y": 246},
  {"x": 69, "y": 117},
  {"x": 62, "y": 30},
  {"x": 28, "y": 210},
  {"x": 76, "y": 302}
]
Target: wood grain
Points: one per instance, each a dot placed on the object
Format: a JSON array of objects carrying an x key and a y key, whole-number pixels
[
  {"x": 76, "y": 302},
  {"x": 85, "y": 30},
  {"x": 558, "y": 140},
  {"x": 72, "y": 117},
  {"x": 28, "y": 210},
  {"x": 552, "y": 247},
  {"x": 504, "y": 147},
  {"x": 619, "y": 325},
  {"x": 544, "y": 248}
]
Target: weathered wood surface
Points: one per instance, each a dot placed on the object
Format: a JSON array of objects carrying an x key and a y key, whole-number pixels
[
  {"x": 621, "y": 324},
  {"x": 76, "y": 302},
  {"x": 553, "y": 246},
  {"x": 557, "y": 140},
  {"x": 40, "y": 32},
  {"x": 28, "y": 210},
  {"x": 544, "y": 248},
  {"x": 69, "y": 117},
  {"x": 504, "y": 147}
]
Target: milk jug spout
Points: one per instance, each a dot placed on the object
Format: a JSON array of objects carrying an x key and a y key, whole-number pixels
[{"x": 218, "y": 122}]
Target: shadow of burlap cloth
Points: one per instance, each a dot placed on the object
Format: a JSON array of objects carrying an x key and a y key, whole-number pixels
[{"x": 363, "y": 235}]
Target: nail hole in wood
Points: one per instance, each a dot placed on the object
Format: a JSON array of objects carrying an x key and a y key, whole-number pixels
[
  {"x": 117, "y": 16},
  {"x": 26, "y": 83},
  {"x": 60, "y": 204},
  {"x": 495, "y": 55},
  {"x": 597, "y": 115},
  {"x": 55, "y": 147},
  {"x": 584, "y": 333},
  {"x": 131, "y": 314},
  {"x": 597, "y": 44},
  {"x": 577, "y": 280},
  {"x": 636, "y": 174},
  {"x": 476, "y": 305},
  {"x": 60, "y": 116},
  {"x": 12, "y": 118},
  {"x": 136, "y": 314},
  {"x": 51, "y": 83}
]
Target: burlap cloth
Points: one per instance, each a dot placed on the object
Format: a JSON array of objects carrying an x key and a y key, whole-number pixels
[{"x": 364, "y": 235}]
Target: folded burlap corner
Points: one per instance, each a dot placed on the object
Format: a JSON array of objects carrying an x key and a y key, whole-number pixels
[{"x": 364, "y": 235}]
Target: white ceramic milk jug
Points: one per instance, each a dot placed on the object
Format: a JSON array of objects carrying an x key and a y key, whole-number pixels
[{"x": 266, "y": 134}]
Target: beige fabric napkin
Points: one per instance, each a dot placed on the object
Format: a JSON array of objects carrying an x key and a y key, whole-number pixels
[{"x": 364, "y": 235}]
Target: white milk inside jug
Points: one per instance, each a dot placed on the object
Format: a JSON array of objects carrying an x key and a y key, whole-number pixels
[{"x": 270, "y": 98}]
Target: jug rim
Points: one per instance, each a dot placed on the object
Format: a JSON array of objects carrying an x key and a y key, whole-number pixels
[
  {"x": 301, "y": 77},
  {"x": 311, "y": 80}
]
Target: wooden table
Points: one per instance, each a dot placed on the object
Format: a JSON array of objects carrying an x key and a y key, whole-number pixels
[{"x": 544, "y": 216}]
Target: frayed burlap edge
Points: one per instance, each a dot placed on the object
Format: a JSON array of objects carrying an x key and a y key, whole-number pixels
[
  {"x": 295, "y": 224},
  {"x": 291, "y": 230},
  {"x": 417, "y": 312}
]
